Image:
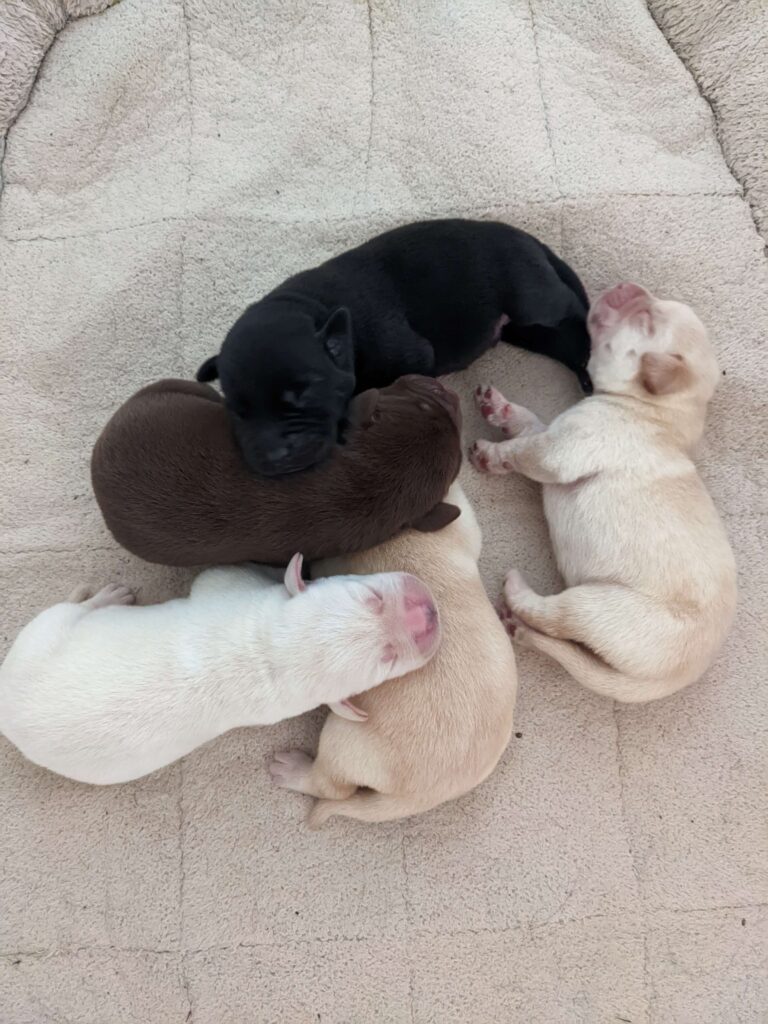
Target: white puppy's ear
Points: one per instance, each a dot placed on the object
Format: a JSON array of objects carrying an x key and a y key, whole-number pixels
[
  {"x": 663, "y": 373},
  {"x": 346, "y": 709},
  {"x": 294, "y": 583}
]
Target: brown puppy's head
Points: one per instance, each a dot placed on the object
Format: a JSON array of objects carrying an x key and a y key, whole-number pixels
[
  {"x": 405, "y": 442},
  {"x": 649, "y": 348}
]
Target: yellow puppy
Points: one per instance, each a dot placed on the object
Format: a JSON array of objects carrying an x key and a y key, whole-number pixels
[
  {"x": 650, "y": 577},
  {"x": 441, "y": 731}
]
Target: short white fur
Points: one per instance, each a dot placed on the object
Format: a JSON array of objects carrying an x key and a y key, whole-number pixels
[{"x": 103, "y": 692}]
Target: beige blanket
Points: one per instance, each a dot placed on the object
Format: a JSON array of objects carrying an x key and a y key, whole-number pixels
[{"x": 175, "y": 159}]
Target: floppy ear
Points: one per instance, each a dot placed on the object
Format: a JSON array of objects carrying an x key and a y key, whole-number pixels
[
  {"x": 362, "y": 408},
  {"x": 438, "y": 517},
  {"x": 662, "y": 373},
  {"x": 336, "y": 336},
  {"x": 209, "y": 370},
  {"x": 346, "y": 709},
  {"x": 294, "y": 583}
]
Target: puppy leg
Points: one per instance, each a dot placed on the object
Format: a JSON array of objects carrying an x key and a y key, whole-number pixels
[
  {"x": 530, "y": 456},
  {"x": 512, "y": 420},
  {"x": 42, "y": 637},
  {"x": 293, "y": 769},
  {"x": 624, "y": 629},
  {"x": 113, "y": 593},
  {"x": 594, "y": 674},
  {"x": 545, "y": 614}
]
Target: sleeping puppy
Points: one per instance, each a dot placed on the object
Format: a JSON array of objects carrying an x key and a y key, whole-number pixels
[
  {"x": 173, "y": 487},
  {"x": 434, "y": 734},
  {"x": 427, "y": 298},
  {"x": 102, "y": 692},
  {"x": 650, "y": 577}
]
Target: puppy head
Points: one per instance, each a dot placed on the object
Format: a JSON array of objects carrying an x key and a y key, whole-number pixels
[
  {"x": 405, "y": 444},
  {"x": 351, "y": 633},
  {"x": 286, "y": 386},
  {"x": 649, "y": 348}
]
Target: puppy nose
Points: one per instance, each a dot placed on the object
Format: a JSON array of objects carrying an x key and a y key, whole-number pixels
[
  {"x": 277, "y": 454},
  {"x": 420, "y": 617},
  {"x": 623, "y": 293}
]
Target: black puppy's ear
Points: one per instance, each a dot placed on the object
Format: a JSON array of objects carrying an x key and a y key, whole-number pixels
[
  {"x": 209, "y": 370},
  {"x": 336, "y": 336},
  {"x": 362, "y": 408},
  {"x": 441, "y": 515}
]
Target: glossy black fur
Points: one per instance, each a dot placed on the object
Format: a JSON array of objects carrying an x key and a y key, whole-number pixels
[{"x": 426, "y": 298}]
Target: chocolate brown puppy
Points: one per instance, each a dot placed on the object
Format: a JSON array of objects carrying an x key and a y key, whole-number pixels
[{"x": 173, "y": 487}]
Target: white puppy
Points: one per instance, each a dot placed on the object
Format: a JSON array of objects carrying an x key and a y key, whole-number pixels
[
  {"x": 103, "y": 693},
  {"x": 650, "y": 577}
]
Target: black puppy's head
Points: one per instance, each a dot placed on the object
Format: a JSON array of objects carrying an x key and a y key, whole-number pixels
[{"x": 286, "y": 384}]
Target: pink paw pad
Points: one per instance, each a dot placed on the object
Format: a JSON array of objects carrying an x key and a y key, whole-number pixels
[
  {"x": 479, "y": 458},
  {"x": 508, "y": 620}
]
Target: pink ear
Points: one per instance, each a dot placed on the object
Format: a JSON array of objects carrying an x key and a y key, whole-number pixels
[
  {"x": 662, "y": 373},
  {"x": 346, "y": 709},
  {"x": 294, "y": 584}
]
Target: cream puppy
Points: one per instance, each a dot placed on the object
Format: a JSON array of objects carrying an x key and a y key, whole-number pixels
[
  {"x": 437, "y": 733},
  {"x": 650, "y": 577},
  {"x": 103, "y": 693}
]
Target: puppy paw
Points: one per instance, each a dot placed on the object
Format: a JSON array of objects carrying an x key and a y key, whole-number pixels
[
  {"x": 113, "y": 593},
  {"x": 510, "y": 419},
  {"x": 514, "y": 584},
  {"x": 80, "y": 594},
  {"x": 511, "y": 623},
  {"x": 486, "y": 458},
  {"x": 289, "y": 769},
  {"x": 493, "y": 405}
]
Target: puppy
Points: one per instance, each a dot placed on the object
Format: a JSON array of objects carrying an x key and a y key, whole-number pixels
[
  {"x": 650, "y": 577},
  {"x": 173, "y": 487},
  {"x": 436, "y": 734},
  {"x": 102, "y": 693},
  {"x": 427, "y": 298}
]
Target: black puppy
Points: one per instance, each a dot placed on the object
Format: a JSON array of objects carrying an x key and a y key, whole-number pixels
[{"x": 427, "y": 298}]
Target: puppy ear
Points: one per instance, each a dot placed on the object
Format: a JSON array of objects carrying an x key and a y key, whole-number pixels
[
  {"x": 346, "y": 709},
  {"x": 663, "y": 373},
  {"x": 362, "y": 408},
  {"x": 293, "y": 580},
  {"x": 209, "y": 370},
  {"x": 336, "y": 336},
  {"x": 438, "y": 517}
]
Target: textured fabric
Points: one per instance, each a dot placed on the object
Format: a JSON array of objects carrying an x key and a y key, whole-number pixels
[
  {"x": 27, "y": 29},
  {"x": 176, "y": 160},
  {"x": 724, "y": 45}
]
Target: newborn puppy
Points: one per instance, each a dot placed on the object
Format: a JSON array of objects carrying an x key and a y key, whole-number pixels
[
  {"x": 436, "y": 734},
  {"x": 173, "y": 487},
  {"x": 426, "y": 298},
  {"x": 101, "y": 692},
  {"x": 650, "y": 577}
]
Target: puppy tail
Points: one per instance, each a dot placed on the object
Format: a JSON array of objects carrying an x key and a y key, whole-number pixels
[
  {"x": 596, "y": 675},
  {"x": 366, "y": 805}
]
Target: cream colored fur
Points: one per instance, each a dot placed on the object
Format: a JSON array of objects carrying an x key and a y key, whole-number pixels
[
  {"x": 650, "y": 577},
  {"x": 437, "y": 733}
]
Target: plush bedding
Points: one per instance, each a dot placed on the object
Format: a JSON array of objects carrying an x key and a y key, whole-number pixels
[{"x": 173, "y": 161}]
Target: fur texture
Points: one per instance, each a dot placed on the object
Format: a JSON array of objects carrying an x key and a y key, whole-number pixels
[
  {"x": 650, "y": 577},
  {"x": 103, "y": 692},
  {"x": 174, "y": 489},
  {"x": 436, "y": 734},
  {"x": 426, "y": 298}
]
